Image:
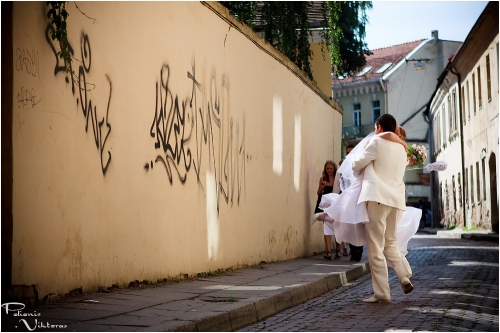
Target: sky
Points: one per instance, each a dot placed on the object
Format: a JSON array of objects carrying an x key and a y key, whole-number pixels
[{"x": 397, "y": 22}]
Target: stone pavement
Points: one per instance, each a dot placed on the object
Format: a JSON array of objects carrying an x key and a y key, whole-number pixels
[
  {"x": 233, "y": 300},
  {"x": 456, "y": 289}
]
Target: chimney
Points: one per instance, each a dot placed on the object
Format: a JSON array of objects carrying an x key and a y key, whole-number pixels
[{"x": 434, "y": 34}]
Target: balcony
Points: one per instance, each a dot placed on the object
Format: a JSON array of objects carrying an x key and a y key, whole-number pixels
[{"x": 353, "y": 132}]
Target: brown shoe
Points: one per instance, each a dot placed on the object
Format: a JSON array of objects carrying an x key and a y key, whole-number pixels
[{"x": 407, "y": 286}]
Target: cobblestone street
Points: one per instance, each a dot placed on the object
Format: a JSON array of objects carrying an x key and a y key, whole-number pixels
[{"x": 456, "y": 289}]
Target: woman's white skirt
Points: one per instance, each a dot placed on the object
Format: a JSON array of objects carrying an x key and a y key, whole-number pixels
[{"x": 350, "y": 218}]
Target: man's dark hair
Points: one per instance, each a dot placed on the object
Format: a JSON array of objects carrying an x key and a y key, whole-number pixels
[
  {"x": 348, "y": 149},
  {"x": 387, "y": 122}
]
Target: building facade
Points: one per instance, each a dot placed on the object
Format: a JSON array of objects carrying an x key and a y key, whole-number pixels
[
  {"x": 398, "y": 80},
  {"x": 464, "y": 114}
]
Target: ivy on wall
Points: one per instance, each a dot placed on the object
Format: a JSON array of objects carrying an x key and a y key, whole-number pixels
[
  {"x": 57, "y": 16},
  {"x": 344, "y": 34},
  {"x": 286, "y": 26}
]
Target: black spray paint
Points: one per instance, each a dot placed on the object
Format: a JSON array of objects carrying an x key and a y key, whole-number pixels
[
  {"x": 88, "y": 108},
  {"x": 193, "y": 135}
]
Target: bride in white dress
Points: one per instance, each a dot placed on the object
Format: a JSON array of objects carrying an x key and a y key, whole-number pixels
[{"x": 346, "y": 217}]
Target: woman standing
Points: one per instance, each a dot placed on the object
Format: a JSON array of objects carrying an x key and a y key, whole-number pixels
[{"x": 326, "y": 186}]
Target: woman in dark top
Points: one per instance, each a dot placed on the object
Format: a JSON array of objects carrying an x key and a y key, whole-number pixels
[{"x": 326, "y": 186}]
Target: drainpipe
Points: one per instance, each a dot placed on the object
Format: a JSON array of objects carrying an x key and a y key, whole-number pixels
[
  {"x": 384, "y": 88},
  {"x": 452, "y": 71}
]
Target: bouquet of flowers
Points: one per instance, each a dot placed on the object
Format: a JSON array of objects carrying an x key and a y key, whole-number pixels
[{"x": 416, "y": 155}]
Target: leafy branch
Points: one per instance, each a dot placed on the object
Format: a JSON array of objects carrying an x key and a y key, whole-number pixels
[
  {"x": 344, "y": 33},
  {"x": 57, "y": 16},
  {"x": 287, "y": 26}
]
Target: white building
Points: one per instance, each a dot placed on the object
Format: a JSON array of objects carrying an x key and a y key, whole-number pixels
[{"x": 464, "y": 115}]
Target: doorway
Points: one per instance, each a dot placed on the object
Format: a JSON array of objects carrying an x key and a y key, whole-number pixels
[{"x": 493, "y": 192}]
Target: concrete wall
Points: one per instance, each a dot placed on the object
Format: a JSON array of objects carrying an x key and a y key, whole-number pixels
[{"x": 182, "y": 144}]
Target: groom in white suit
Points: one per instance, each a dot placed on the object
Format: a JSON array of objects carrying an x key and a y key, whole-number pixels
[{"x": 383, "y": 190}]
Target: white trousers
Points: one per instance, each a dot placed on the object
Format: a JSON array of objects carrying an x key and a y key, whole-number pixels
[{"x": 381, "y": 236}]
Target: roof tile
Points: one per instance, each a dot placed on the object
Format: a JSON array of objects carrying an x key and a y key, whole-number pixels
[{"x": 392, "y": 54}]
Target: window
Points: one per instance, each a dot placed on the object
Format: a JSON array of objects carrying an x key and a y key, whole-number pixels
[
  {"x": 375, "y": 111},
  {"x": 477, "y": 183},
  {"x": 471, "y": 184},
  {"x": 480, "y": 100},
  {"x": 488, "y": 77},
  {"x": 474, "y": 93},
  {"x": 437, "y": 131},
  {"x": 442, "y": 194},
  {"x": 468, "y": 101},
  {"x": 454, "y": 193},
  {"x": 446, "y": 196},
  {"x": 463, "y": 105},
  {"x": 364, "y": 71},
  {"x": 459, "y": 190},
  {"x": 356, "y": 114},
  {"x": 454, "y": 110},
  {"x": 498, "y": 76},
  {"x": 466, "y": 187},
  {"x": 384, "y": 68},
  {"x": 443, "y": 125},
  {"x": 484, "y": 177},
  {"x": 450, "y": 116}
]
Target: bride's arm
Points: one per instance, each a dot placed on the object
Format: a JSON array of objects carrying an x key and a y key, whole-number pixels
[{"x": 394, "y": 138}]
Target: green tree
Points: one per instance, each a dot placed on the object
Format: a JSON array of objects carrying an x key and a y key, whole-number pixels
[
  {"x": 344, "y": 34},
  {"x": 287, "y": 26}
]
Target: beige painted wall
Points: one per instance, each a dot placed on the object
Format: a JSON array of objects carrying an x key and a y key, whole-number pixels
[
  {"x": 233, "y": 181},
  {"x": 320, "y": 66}
]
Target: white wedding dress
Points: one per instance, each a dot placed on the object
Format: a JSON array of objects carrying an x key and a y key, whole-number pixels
[{"x": 349, "y": 217}]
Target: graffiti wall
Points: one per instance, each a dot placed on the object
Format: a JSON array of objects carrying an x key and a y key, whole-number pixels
[{"x": 177, "y": 142}]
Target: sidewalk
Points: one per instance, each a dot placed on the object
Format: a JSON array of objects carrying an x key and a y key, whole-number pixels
[
  {"x": 226, "y": 302},
  {"x": 477, "y": 235}
]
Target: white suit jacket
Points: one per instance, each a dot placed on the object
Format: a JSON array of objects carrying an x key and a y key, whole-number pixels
[{"x": 384, "y": 162}]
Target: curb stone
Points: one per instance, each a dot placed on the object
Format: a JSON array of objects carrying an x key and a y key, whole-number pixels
[{"x": 261, "y": 309}]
